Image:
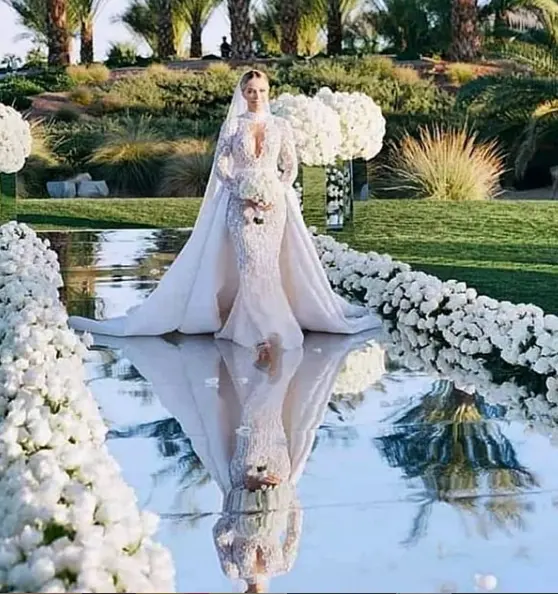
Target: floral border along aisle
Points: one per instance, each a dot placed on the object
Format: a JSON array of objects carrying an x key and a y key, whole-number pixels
[
  {"x": 68, "y": 521},
  {"x": 518, "y": 343}
]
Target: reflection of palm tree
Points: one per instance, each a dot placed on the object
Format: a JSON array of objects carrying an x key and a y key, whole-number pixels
[
  {"x": 448, "y": 441},
  {"x": 171, "y": 444}
]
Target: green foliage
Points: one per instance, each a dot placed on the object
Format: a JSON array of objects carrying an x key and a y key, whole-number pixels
[
  {"x": 509, "y": 108},
  {"x": 187, "y": 169},
  {"x": 42, "y": 165},
  {"x": 375, "y": 76},
  {"x": 446, "y": 165},
  {"x": 82, "y": 96},
  {"x": 52, "y": 79},
  {"x": 16, "y": 90},
  {"x": 130, "y": 159},
  {"x": 121, "y": 54},
  {"x": 90, "y": 74},
  {"x": 460, "y": 73}
]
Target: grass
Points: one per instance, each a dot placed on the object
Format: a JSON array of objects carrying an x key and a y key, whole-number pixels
[{"x": 505, "y": 249}]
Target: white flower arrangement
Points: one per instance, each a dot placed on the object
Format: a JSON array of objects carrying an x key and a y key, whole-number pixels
[
  {"x": 518, "y": 337},
  {"x": 15, "y": 140},
  {"x": 363, "y": 126},
  {"x": 338, "y": 195},
  {"x": 316, "y": 128},
  {"x": 68, "y": 521}
]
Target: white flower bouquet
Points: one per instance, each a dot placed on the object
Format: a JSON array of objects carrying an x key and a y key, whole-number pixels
[
  {"x": 15, "y": 140},
  {"x": 258, "y": 190}
]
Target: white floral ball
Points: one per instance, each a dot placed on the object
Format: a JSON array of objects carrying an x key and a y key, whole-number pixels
[
  {"x": 363, "y": 126},
  {"x": 316, "y": 128},
  {"x": 15, "y": 140}
]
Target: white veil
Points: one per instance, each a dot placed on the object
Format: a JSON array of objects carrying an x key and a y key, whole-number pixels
[{"x": 202, "y": 282}]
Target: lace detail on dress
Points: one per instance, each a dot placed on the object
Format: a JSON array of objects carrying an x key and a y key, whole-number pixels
[{"x": 261, "y": 308}]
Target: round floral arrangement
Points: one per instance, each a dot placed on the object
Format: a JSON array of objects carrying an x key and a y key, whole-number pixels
[
  {"x": 316, "y": 128},
  {"x": 15, "y": 140},
  {"x": 363, "y": 126}
]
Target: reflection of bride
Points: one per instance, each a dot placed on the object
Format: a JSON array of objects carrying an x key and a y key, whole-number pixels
[
  {"x": 249, "y": 272},
  {"x": 252, "y": 428}
]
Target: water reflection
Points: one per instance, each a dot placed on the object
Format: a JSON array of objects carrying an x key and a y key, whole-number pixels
[
  {"x": 252, "y": 428},
  {"x": 449, "y": 441}
]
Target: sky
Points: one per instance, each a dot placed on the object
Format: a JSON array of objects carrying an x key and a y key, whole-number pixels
[{"x": 106, "y": 31}]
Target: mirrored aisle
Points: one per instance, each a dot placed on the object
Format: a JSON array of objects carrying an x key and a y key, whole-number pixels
[{"x": 343, "y": 466}]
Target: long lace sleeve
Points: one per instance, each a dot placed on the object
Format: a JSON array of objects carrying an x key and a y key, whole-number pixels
[
  {"x": 288, "y": 162},
  {"x": 223, "y": 154}
]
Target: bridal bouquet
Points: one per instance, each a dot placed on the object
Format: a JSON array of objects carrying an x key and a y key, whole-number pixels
[
  {"x": 258, "y": 189},
  {"x": 15, "y": 140}
]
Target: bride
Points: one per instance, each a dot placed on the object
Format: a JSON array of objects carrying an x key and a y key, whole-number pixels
[{"x": 249, "y": 272}]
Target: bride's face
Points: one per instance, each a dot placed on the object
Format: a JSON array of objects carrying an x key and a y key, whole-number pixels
[{"x": 256, "y": 93}]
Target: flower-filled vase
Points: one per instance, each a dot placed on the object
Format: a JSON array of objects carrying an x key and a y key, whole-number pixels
[
  {"x": 338, "y": 196},
  {"x": 8, "y": 197}
]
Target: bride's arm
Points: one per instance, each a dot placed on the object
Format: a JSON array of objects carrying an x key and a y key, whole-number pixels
[
  {"x": 288, "y": 162},
  {"x": 223, "y": 154}
]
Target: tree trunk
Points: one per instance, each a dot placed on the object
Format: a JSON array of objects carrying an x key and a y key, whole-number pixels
[
  {"x": 166, "y": 47},
  {"x": 466, "y": 39},
  {"x": 58, "y": 37},
  {"x": 196, "y": 49},
  {"x": 290, "y": 20},
  {"x": 86, "y": 42},
  {"x": 334, "y": 28},
  {"x": 241, "y": 29}
]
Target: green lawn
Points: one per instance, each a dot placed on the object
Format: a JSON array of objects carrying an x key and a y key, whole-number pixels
[{"x": 508, "y": 250}]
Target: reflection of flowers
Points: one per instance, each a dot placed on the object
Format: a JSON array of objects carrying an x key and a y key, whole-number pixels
[
  {"x": 361, "y": 370},
  {"x": 447, "y": 441}
]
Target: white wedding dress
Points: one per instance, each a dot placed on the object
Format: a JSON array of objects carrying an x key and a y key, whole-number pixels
[{"x": 234, "y": 278}]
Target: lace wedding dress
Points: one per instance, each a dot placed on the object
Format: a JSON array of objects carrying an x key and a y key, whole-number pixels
[{"x": 237, "y": 279}]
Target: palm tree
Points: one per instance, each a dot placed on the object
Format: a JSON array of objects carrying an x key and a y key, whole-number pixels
[
  {"x": 465, "y": 32},
  {"x": 334, "y": 28},
  {"x": 524, "y": 15},
  {"x": 195, "y": 15},
  {"x": 268, "y": 28},
  {"x": 166, "y": 47},
  {"x": 290, "y": 23},
  {"x": 241, "y": 29},
  {"x": 80, "y": 16},
  {"x": 58, "y": 35},
  {"x": 84, "y": 13},
  {"x": 142, "y": 18},
  {"x": 409, "y": 26}
]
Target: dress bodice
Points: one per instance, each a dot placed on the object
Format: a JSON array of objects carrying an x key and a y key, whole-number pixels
[{"x": 236, "y": 150}]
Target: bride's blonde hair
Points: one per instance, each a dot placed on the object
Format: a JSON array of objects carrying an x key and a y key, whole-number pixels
[{"x": 250, "y": 75}]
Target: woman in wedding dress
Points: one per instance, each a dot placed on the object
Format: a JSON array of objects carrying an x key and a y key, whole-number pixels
[{"x": 249, "y": 272}]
